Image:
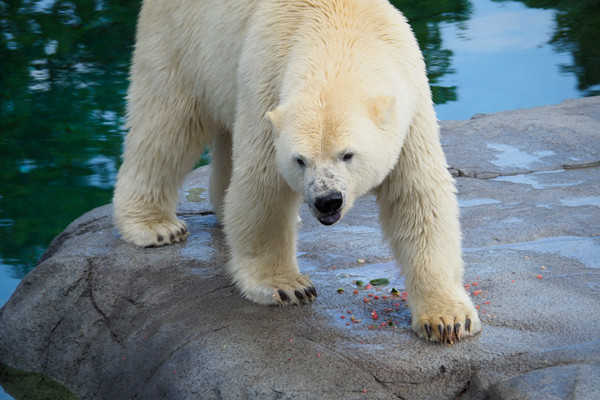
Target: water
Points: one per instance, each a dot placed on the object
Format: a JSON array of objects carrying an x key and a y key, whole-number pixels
[
  {"x": 536, "y": 180},
  {"x": 503, "y": 59},
  {"x": 63, "y": 77},
  {"x": 583, "y": 249},
  {"x": 509, "y": 156},
  {"x": 464, "y": 203}
]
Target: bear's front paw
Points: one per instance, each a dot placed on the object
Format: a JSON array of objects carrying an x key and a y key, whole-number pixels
[
  {"x": 446, "y": 320},
  {"x": 280, "y": 290},
  {"x": 155, "y": 234}
]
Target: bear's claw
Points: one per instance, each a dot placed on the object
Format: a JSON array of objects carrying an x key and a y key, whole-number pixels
[
  {"x": 448, "y": 334},
  {"x": 283, "y": 297},
  {"x": 446, "y": 322},
  {"x": 282, "y": 290},
  {"x": 427, "y": 329},
  {"x": 154, "y": 234},
  {"x": 307, "y": 296}
]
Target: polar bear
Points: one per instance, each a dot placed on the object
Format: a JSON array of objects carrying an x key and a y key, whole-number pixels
[{"x": 315, "y": 100}]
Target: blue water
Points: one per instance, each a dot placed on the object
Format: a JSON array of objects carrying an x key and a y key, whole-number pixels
[
  {"x": 503, "y": 61},
  {"x": 4, "y": 395}
]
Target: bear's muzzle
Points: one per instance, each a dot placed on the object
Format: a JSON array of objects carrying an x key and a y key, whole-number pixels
[{"x": 329, "y": 205}]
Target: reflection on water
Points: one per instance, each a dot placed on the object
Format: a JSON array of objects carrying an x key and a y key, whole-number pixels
[
  {"x": 30, "y": 386},
  {"x": 426, "y": 19},
  {"x": 508, "y": 56},
  {"x": 64, "y": 76},
  {"x": 576, "y": 32}
]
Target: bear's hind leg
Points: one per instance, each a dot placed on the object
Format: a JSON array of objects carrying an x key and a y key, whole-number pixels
[
  {"x": 220, "y": 176},
  {"x": 164, "y": 141}
]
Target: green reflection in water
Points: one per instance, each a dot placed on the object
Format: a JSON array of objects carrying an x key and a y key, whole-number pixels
[
  {"x": 577, "y": 31},
  {"x": 32, "y": 386},
  {"x": 62, "y": 88},
  {"x": 425, "y": 18}
]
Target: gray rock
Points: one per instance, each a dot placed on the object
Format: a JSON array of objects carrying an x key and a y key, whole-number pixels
[
  {"x": 525, "y": 141},
  {"x": 112, "y": 321},
  {"x": 576, "y": 381}
]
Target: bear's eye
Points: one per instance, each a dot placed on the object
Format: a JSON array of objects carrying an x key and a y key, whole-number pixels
[
  {"x": 347, "y": 157},
  {"x": 300, "y": 162}
]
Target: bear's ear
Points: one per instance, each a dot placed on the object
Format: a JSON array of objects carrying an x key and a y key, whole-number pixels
[
  {"x": 275, "y": 117},
  {"x": 380, "y": 108}
]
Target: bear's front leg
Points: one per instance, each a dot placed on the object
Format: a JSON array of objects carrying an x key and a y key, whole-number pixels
[
  {"x": 260, "y": 223},
  {"x": 144, "y": 210},
  {"x": 424, "y": 233},
  {"x": 160, "y": 149},
  {"x": 419, "y": 217}
]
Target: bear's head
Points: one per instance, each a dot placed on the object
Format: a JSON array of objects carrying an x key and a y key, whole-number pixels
[{"x": 334, "y": 149}]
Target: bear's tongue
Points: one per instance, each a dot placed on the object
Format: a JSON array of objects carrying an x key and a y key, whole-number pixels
[{"x": 330, "y": 219}]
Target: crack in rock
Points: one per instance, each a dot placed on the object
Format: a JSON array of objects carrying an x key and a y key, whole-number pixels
[
  {"x": 591, "y": 164},
  {"x": 469, "y": 173},
  {"x": 90, "y": 292},
  {"x": 201, "y": 213},
  {"x": 355, "y": 363},
  {"x": 164, "y": 360},
  {"x": 70, "y": 289},
  {"x": 48, "y": 341}
]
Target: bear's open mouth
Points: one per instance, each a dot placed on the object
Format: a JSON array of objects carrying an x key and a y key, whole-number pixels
[{"x": 330, "y": 219}]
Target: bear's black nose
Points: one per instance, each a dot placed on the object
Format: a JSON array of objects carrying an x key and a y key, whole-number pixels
[{"x": 329, "y": 203}]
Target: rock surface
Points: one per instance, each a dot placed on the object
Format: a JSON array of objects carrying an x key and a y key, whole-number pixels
[{"x": 112, "y": 321}]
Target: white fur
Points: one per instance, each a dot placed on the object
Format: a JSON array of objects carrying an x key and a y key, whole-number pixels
[{"x": 298, "y": 99}]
